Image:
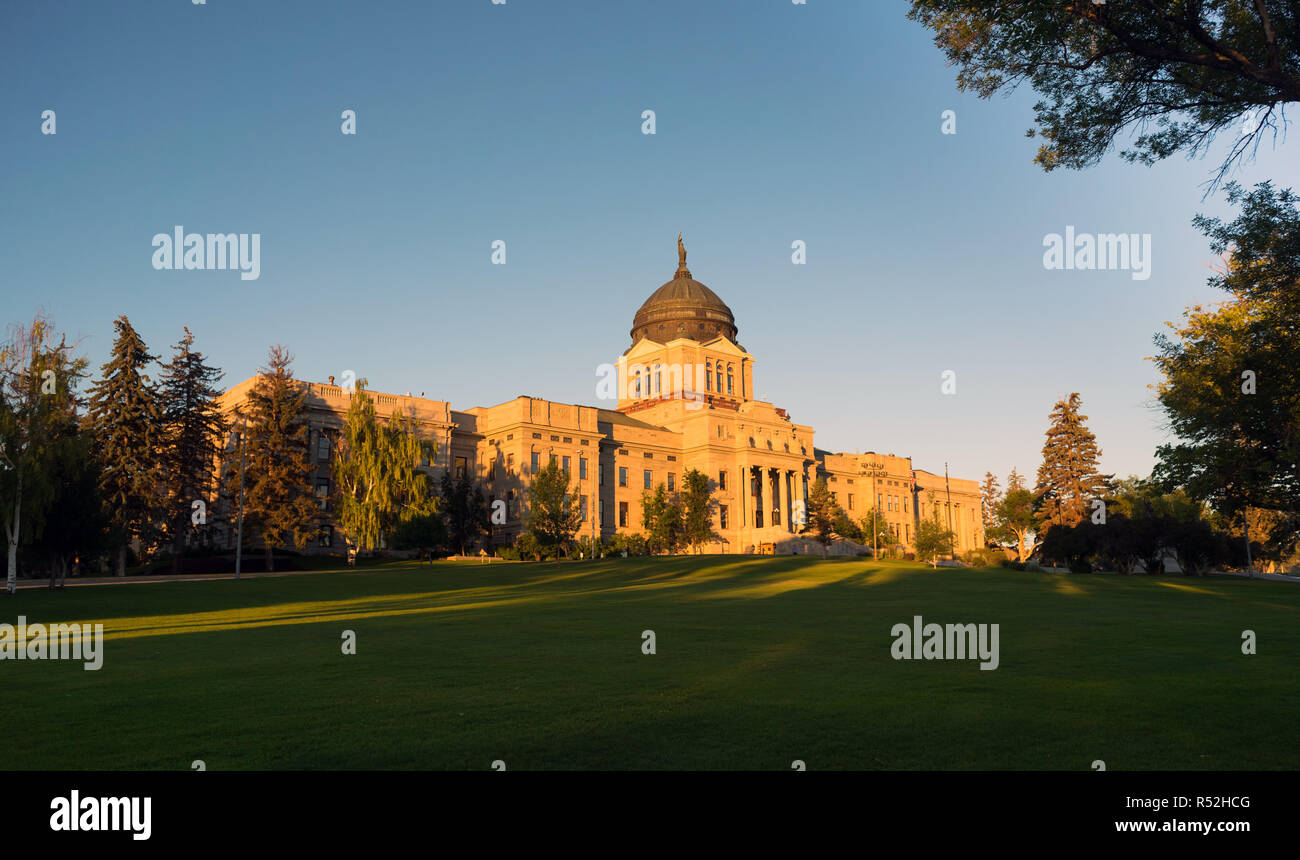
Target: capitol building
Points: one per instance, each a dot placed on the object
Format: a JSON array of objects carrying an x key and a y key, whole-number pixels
[{"x": 683, "y": 398}]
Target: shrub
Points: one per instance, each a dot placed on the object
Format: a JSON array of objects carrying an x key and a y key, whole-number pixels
[
  {"x": 1011, "y": 564},
  {"x": 983, "y": 557}
]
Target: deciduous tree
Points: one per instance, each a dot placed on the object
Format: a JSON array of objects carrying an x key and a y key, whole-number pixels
[{"x": 1176, "y": 72}]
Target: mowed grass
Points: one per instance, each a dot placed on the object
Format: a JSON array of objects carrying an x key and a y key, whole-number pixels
[{"x": 760, "y": 661}]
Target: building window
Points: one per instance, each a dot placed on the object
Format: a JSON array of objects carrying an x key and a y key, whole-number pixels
[
  {"x": 751, "y": 442},
  {"x": 536, "y": 465},
  {"x": 850, "y": 501},
  {"x": 671, "y": 486},
  {"x": 565, "y": 464},
  {"x": 537, "y": 435},
  {"x": 460, "y": 468},
  {"x": 323, "y": 493},
  {"x": 719, "y": 377},
  {"x": 622, "y": 476},
  {"x": 729, "y": 379},
  {"x": 600, "y": 473},
  {"x": 568, "y": 440},
  {"x": 648, "y": 479},
  {"x": 326, "y": 537},
  {"x": 322, "y": 446},
  {"x": 555, "y": 438},
  {"x": 583, "y": 510},
  {"x": 582, "y": 468},
  {"x": 510, "y": 465},
  {"x": 708, "y": 376},
  {"x": 722, "y": 516},
  {"x": 722, "y": 432},
  {"x": 622, "y": 515},
  {"x": 722, "y": 480},
  {"x": 638, "y": 383}
]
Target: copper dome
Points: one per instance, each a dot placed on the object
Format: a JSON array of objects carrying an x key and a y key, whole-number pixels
[{"x": 683, "y": 307}]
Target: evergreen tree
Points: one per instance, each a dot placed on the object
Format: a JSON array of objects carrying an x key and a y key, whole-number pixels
[
  {"x": 279, "y": 503},
  {"x": 38, "y": 405},
  {"x": 465, "y": 509},
  {"x": 553, "y": 513},
  {"x": 378, "y": 483},
  {"x": 1015, "y": 481},
  {"x": 821, "y": 507},
  {"x": 193, "y": 431},
  {"x": 698, "y": 506},
  {"x": 990, "y": 495},
  {"x": 126, "y": 421},
  {"x": 1068, "y": 479}
]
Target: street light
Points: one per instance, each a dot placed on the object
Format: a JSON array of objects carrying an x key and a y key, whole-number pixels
[{"x": 239, "y": 531}]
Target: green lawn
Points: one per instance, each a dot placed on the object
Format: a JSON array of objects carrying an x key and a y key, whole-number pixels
[{"x": 760, "y": 661}]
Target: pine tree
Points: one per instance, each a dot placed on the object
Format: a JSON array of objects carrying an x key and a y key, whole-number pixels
[
  {"x": 465, "y": 509},
  {"x": 194, "y": 429},
  {"x": 822, "y": 508},
  {"x": 1068, "y": 479},
  {"x": 126, "y": 421},
  {"x": 1015, "y": 481},
  {"x": 38, "y": 405},
  {"x": 278, "y": 503},
  {"x": 990, "y": 495},
  {"x": 990, "y": 500}
]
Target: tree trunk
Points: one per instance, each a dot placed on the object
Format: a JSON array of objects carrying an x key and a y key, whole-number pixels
[
  {"x": 11, "y": 578},
  {"x": 121, "y": 560},
  {"x": 270, "y": 558}
]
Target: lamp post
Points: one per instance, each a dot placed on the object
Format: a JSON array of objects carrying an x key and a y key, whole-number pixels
[
  {"x": 948, "y": 489},
  {"x": 239, "y": 531}
]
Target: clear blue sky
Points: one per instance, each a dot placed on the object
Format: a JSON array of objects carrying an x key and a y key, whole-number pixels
[{"x": 522, "y": 122}]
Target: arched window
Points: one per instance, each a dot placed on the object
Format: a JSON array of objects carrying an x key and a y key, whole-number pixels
[
  {"x": 751, "y": 442},
  {"x": 708, "y": 376},
  {"x": 729, "y": 378},
  {"x": 769, "y": 444},
  {"x": 638, "y": 382}
]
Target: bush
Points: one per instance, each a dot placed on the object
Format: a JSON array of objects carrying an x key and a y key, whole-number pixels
[
  {"x": 1011, "y": 564},
  {"x": 983, "y": 557},
  {"x": 1080, "y": 565}
]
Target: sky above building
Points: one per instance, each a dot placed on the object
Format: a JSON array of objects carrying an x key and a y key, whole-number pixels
[{"x": 523, "y": 122}]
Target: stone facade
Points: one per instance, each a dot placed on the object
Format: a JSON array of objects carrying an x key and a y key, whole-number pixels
[{"x": 685, "y": 400}]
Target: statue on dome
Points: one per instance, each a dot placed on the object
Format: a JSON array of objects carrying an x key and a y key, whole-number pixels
[{"x": 681, "y": 252}]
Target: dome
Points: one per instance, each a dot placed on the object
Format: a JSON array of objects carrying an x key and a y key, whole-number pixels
[{"x": 683, "y": 307}]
